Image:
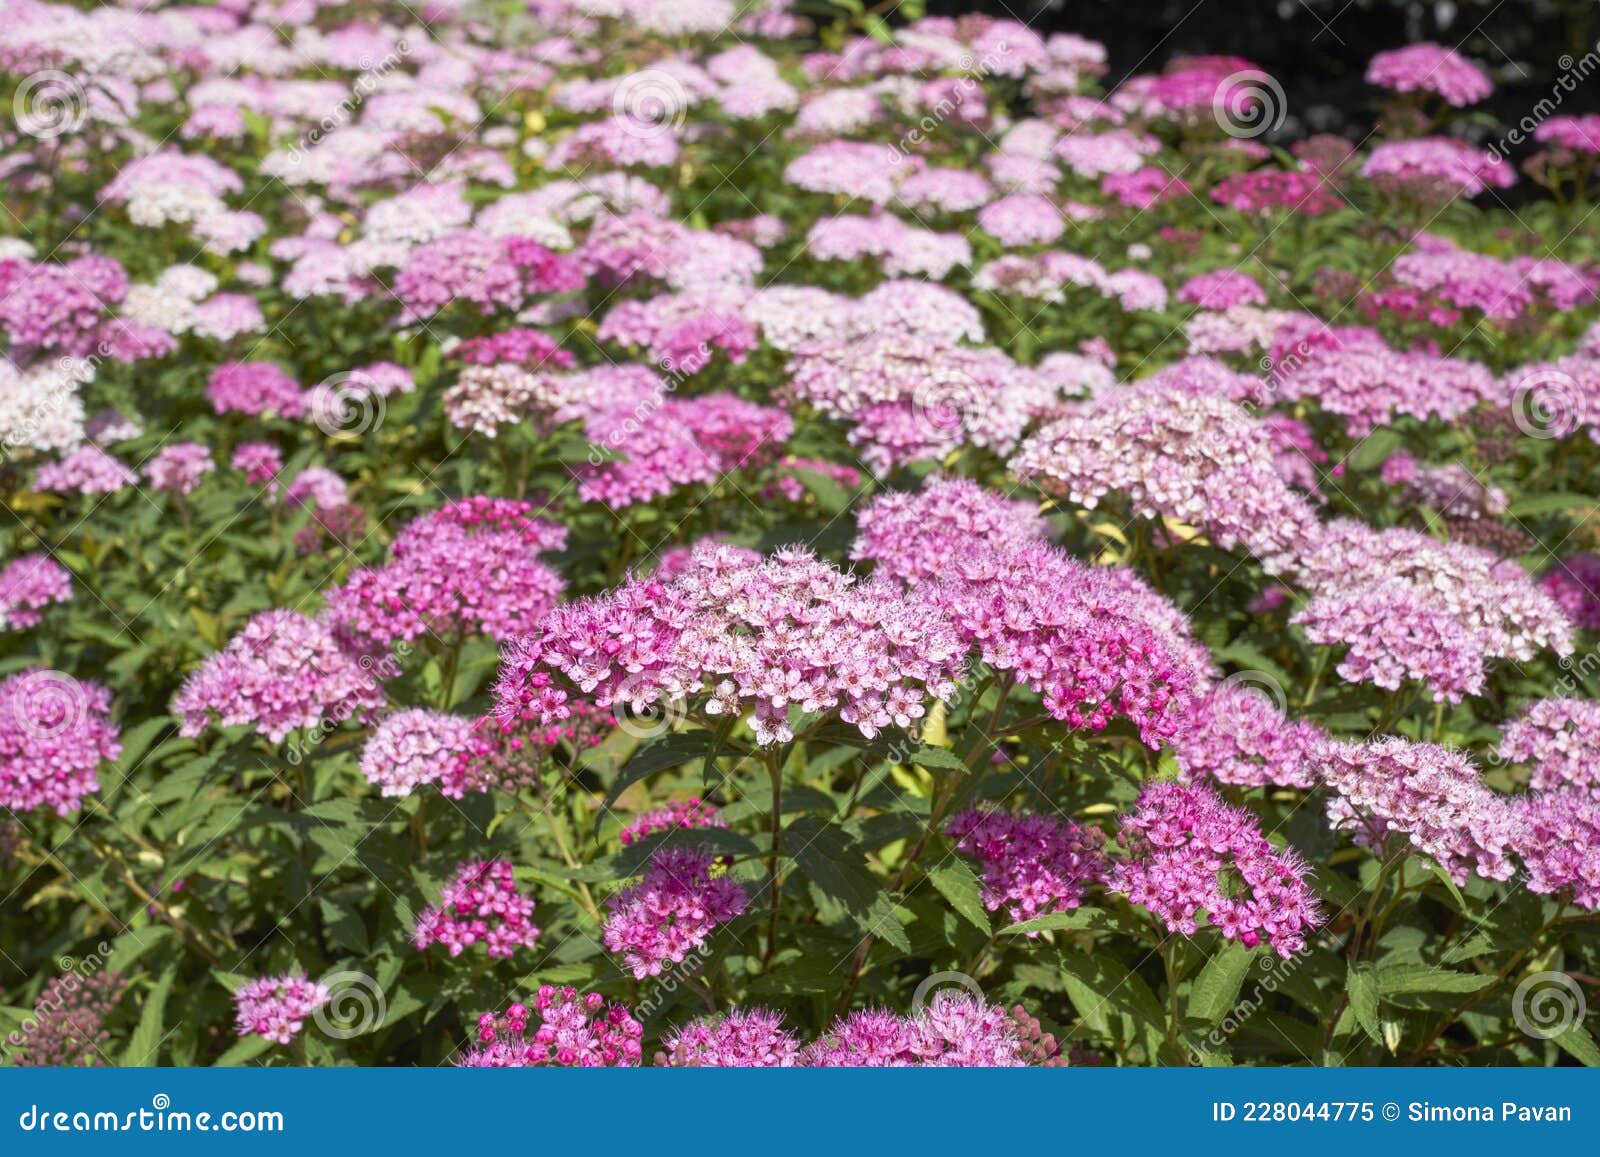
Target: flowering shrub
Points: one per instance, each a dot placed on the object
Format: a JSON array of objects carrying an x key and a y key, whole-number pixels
[{"x": 670, "y": 533}]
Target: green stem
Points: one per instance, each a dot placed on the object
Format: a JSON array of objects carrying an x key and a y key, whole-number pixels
[{"x": 775, "y": 773}]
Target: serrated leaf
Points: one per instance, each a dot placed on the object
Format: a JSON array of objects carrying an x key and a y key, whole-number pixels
[
  {"x": 1578, "y": 1044},
  {"x": 1362, "y": 990},
  {"x": 1398, "y": 979},
  {"x": 1215, "y": 988},
  {"x": 668, "y": 751},
  {"x": 957, "y": 883},
  {"x": 144, "y": 1046}
]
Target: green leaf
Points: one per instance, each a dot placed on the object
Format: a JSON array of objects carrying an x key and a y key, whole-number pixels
[
  {"x": 1374, "y": 448},
  {"x": 937, "y": 759},
  {"x": 1578, "y": 1044},
  {"x": 247, "y": 1049},
  {"x": 958, "y": 884},
  {"x": 144, "y": 1047},
  {"x": 1398, "y": 979},
  {"x": 669, "y": 751},
  {"x": 837, "y": 868},
  {"x": 1099, "y": 986},
  {"x": 1363, "y": 992},
  {"x": 1215, "y": 989}
]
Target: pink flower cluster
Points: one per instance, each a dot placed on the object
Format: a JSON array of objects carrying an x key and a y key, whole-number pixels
[
  {"x": 574, "y": 1032},
  {"x": 659, "y": 442},
  {"x": 1574, "y": 583},
  {"x": 911, "y": 533},
  {"x": 1429, "y": 67},
  {"x": 1396, "y": 633},
  {"x": 283, "y": 671},
  {"x": 469, "y": 568},
  {"x": 179, "y": 468},
  {"x": 1188, "y": 853},
  {"x": 1437, "y": 168},
  {"x": 495, "y": 274},
  {"x": 1351, "y": 373},
  {"x": 256, "y": 389},
  {"x": 480, "y": 904},
  {"x": 1238, "y": 735},
  {"x": 276, "y": 1007},
  {"x": 953, "y": 1030},
  {"x": 1171, "y": 453},
  {"x": 413, "y": 748},
  {"x": 672, "y": 911},
  {"x": 27, "y": 586},
  {"x": 68, "y": 1028},
  {"x": 683, "y": 813},
  {"x": 1032, "y": 864},
  {"x": 87, "y": 470},
  {"x": 1560, "y": 844},
  {"x": 1558, "y": 739},
  {"x": 1222, "y": 289},
  {"x": 732, "y": 635},
  {"x": 1426, "y": 796},
  {"x": 1302, "y": 192},
  {"x": 751, "y": 1038},
  {"x": 909, "y": 396},
  {"x": 54, "y": 735}
]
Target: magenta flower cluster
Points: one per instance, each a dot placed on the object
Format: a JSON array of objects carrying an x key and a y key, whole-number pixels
[
  {"x": 671, "y": 911},
  {"x": 1033, "y": 865},
  {"x": 276, "y": 1007},
  {"x": 281, "y": 672},
  {"x": 573, "y": 1032},
  {"x": 480, "y": 905},
  {"x": 1187, "y": 854},
  {"x": 786, "y": 632},
  {"x": 469, "y": 568},
  {"x": 54, "y": 736},
  {"x": 27, "y": 586}
]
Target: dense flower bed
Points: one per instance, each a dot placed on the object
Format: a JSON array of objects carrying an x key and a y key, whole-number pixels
[{"x": 601, "y": 532}]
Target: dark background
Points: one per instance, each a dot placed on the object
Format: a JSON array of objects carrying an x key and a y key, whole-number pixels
[{"x": 1318, "y": 49}]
